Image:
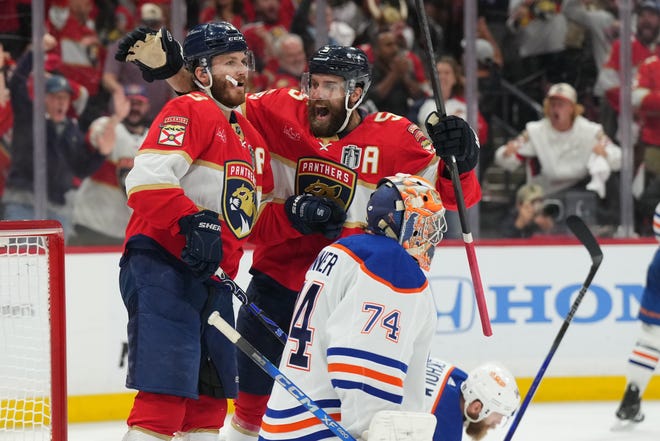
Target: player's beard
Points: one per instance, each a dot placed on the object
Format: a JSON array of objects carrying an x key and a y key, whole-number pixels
[
  {"x": 326, "y": 116},
  {"x": 477, "y": 430},
  {"x": 226, "y": 93}
]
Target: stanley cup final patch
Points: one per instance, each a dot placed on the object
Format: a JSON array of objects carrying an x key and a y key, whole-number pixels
[{"x": 172, "y": 131}]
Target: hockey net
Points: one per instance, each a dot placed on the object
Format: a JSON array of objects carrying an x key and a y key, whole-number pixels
[{"x": 32, "y": 331}]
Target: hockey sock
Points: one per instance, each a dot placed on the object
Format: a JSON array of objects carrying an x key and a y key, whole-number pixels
[
  {"x": 250, "y": 409},
  {"x": 644, "y": 357},
  {"x": 158, "y": 413},
  {"x": 205, "y": 414}
]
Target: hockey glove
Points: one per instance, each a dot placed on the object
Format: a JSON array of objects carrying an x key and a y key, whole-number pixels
[
  {"x": 452, "y": 136},
  {"x": 312, "y": 214},
  {"x": 203, "y": 249},
  {"x": 157, "y": 54}
]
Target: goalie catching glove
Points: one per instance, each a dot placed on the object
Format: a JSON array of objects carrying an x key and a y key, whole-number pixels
[
  {"x": 203, "y": 250},
  {"x": 452, "y": 136},
  {"x": 157, "y": 54},
  {"x": 312, "y": 214}
]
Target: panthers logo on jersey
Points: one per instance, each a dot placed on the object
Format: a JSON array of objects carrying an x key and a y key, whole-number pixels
[
  {"x": 239, "y": 198},
  {"x": 323, "y": 178}
]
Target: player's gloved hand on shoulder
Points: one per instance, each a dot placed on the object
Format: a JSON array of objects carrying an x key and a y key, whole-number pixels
[
  {"x": 453, "y": 136},
  {"x": 203, "y": 249},
  {"x": 312, "y": 214},
  {"x": 157, "y": 53}
]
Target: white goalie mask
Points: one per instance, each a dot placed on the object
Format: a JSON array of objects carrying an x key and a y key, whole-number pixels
[{"x": 495, "y": 387}]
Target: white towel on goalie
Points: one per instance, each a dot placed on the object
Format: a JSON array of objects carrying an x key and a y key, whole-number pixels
[{"x": 600, "y": 171}]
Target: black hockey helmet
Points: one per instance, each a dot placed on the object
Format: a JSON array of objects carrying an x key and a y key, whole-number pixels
[
  {"x": 207, "y": 40},
  {"x": 347, "y": 62}
]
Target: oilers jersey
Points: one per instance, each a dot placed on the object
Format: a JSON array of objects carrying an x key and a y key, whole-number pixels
[{"x": 359, "y": 339}]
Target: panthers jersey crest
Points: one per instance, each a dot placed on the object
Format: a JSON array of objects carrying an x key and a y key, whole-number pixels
[
  {"x": 323, "y": 178},
  {"x": 239, "y": 198}
]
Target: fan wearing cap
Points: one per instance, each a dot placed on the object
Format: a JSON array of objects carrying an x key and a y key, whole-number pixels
[
  {"x": 100, "y": 213},
  {"x": 475, "y": 403},
  {"x": 564, "y": 150},
  {"x": 68, "y": 155},
  {"x": 645, "y": 355},
  {"x": 533, "y": 214}
]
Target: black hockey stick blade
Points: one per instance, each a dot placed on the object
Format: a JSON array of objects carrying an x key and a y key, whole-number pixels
[{"x": 583, "y": 234}]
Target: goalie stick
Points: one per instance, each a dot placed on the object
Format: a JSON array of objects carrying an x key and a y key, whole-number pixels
[
  {"x": 267, "y": 366},
  {"x": 236, "y": 290},
  {"x": 581, "y": 231},
  {"x": 455, "y": 179}
]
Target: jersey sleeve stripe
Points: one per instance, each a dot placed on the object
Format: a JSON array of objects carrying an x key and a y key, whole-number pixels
[
  {"x": 179, "y": 152},
  {"x": 368, "y": 272},
  {"x": 298, "y": 425},
  {"x": 376, "y": 358},
  {"x": 327, "y": 405},
  {"x": 314, "y": 436},
  {"x": 365, "y": 372},
  {"x": 440, "y": 389},
  {"x": 343, "y": 384}
]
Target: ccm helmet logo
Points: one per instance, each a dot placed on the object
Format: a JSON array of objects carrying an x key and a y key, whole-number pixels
[
  {"x": 209, "y": 226},
  {"x": 497, "y": 379}
]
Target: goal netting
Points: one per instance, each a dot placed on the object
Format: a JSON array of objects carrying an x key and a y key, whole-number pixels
[{"x": 32, "y": 331}]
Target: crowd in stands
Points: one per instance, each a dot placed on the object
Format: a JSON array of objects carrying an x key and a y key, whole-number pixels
[{"x": 560, "y": 59}]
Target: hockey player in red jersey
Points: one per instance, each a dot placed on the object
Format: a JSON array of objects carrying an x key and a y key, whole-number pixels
[
  {"x": 326, "y": 152},
  {"x": 194, "y": 190}
]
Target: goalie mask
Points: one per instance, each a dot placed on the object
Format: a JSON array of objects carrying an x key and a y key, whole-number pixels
[
  {"x": 408, "y": 209},
  {"x": 495, "y": 387}
]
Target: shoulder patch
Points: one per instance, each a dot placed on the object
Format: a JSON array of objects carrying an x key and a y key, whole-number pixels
[{"x": 173, "y": 131}]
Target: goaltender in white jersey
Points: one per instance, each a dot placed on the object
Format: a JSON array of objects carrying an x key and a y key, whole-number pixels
[{"x": 363, "y": 323}]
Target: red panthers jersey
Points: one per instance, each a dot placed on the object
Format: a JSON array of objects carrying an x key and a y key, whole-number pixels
[
  {"x": 346, "y": 169},
  {"x": 193, "y": 159}
]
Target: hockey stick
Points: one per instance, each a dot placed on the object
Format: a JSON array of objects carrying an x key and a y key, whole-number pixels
[
  {"x": 455, "y": 179},
  {"x": 581, "y": 231},
  {"x": 224, "y": 279},
  {"x": 277, "y": 375}
]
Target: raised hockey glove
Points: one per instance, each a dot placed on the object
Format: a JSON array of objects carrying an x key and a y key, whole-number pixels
[
  {"x": 157, "y": 54},
  {"x": 312, "y": 214},
  {"x": 203, "y": 249},
  {"x": 452, "y": 136}
]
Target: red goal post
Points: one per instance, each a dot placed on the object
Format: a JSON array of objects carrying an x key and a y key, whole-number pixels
[{"x": 33, "y": 390}]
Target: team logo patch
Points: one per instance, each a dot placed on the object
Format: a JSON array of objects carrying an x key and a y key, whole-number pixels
[
  {"x": 421, "y": 139},
  {"x": 239, "y": 198},
  {"x": 325, "y": 178},
  {"x": 351, "y": 156},
  {"x": 172, "y": 131}
]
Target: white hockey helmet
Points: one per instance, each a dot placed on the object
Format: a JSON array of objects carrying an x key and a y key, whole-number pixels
[{"x": 495, "y": 387}]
